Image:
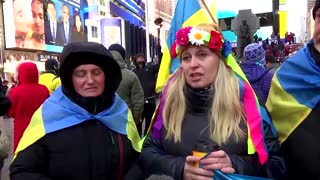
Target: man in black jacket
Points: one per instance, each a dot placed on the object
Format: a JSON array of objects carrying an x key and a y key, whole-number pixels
[{"x": 147, "y": 75}]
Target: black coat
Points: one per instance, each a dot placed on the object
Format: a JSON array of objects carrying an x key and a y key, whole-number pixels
[
  {"x": 4, "y": 105},
  {"x": 166, "y": 157},
  {"x": 94, "y": 154}
]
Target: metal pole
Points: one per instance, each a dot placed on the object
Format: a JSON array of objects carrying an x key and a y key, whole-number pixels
[{"x": 147, "y": 32}]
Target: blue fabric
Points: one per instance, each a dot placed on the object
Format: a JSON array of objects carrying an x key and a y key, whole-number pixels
[
  {"x": 218, "y": 175},
  {"x": 59, "y": 112},
  {"x": 299, "y": 76}
]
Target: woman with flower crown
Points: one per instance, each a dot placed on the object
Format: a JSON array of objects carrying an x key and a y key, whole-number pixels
[{"x": 208, "y": 103}]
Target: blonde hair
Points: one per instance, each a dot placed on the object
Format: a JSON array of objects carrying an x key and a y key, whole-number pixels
[{"x": 225, "y": 113}]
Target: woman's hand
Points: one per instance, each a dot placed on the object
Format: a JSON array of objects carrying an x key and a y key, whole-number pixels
[
  {"x": 218, "y": 160},
  {"x": 194, "y": 173}
]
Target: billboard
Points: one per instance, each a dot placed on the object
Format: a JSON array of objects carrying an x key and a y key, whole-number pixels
[{"x": 30, "y": 24}]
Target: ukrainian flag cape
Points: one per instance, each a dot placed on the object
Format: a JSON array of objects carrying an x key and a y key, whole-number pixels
[
  {"x": 294, "y": 92},
  {"x": 59, "y": 112}
]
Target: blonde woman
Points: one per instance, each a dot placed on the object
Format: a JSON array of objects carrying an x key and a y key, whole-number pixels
[{"x": 207, "y": 103}]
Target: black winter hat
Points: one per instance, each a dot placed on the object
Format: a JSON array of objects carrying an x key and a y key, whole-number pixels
[
  {"x": 80, "y": 53},
  {"x": 315, "y": 8},
  {"x": 51, "y": 65},
  {"x": 118, "y": 48}
]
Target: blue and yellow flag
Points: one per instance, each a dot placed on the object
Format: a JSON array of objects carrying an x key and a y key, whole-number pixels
[
  {"x": 187, "y": 13},
  {"x": 59, "y": 112},
  {"x": 294, "y": 92}
]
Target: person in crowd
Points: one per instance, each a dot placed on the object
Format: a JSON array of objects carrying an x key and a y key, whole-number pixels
[
  {"x": 25, "y": 98},
  {"x": 294, "y": 106},
  {"x": 4, "y": 105},
  {"x": 83, "y": 130},
  {"x": 51, "y": 25},
  {"x": 3, "y": 88},
  {"x": 10, "y": 67},
  {"x": 35, "y": 39},
  {"x": 130, "y": 89},
  {"x": 205, "y": 103},
  {"x": 272, "y": 64},
  {"x": 78, "y": 34},
  {"x": 253, "y": 66},
  {"x": 147, "y": 75},
  {"x": 49, "y": 76}
]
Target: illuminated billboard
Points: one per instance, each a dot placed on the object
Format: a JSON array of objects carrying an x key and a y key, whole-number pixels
[{"x": 29, "y": 26}]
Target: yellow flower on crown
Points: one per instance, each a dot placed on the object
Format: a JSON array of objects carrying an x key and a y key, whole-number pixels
[{"x": 198, "y": 37}]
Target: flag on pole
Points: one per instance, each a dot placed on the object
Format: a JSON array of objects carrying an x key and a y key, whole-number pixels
[{"x": 187, "y": 13}]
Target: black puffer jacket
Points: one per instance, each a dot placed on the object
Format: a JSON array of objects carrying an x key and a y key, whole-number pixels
[
  {"x": 166, "y": 157},
  {"x": 86, "y": 151}
]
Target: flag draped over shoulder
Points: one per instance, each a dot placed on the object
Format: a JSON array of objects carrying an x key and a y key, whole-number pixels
[
  {"x": 294, "y": 92},
  {"x": 59, "y": 112},
  {"x": 187, "y": 13}
]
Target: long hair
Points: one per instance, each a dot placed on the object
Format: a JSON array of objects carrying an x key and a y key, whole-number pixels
[{"x": 226, "y": 111}]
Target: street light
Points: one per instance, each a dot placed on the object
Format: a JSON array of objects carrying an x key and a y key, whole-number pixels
[{"x": 158, "y": 22}]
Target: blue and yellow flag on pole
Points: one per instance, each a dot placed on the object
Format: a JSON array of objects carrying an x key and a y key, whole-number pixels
[{"x": 187, "y": 13}]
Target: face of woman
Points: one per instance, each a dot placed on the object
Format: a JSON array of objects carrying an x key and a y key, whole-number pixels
[
  {"x": 88, "y": 80},
  {"x": 78, "y": 22},
  {"x": 200, "y": 66}
]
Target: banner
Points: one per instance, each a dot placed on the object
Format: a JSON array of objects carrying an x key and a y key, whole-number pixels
[{"x": 30, "y": 24}]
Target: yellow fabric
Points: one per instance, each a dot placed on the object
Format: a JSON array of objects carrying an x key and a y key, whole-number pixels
[
  {"x": 132, "y": 133},
  {"x": 284, "y": 120},
  {"x": 56, "y": 82},
  {"x": 33, "y": 132},
  {"x": 46, "y": 80}
]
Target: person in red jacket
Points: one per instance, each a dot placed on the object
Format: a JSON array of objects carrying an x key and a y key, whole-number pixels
[{"x": 25, "y": 98}]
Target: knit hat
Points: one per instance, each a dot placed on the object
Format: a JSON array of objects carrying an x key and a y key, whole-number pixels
[
  {"x": 315, "y": 8},
  {"x": 254, "y": 53},
  {"x": 118, "y": 48}
]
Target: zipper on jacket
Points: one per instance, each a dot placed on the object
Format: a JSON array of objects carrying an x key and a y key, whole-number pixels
[{"x": 111, "y": 137}]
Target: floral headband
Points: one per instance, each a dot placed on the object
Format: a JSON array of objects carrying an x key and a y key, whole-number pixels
[{"x": 193, "y": 36}]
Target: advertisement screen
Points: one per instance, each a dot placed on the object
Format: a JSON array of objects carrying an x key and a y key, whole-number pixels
[{"x": 30, "y": 24}]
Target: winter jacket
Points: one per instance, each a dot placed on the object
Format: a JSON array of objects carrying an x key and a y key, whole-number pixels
[
  {"x": 148, "y": 77},
  {"x": 4, "y": 105},
  {"x": 166, "y": 157},
  {"x": 48, "y": 79},
  {"x": 85, "y": 138},
  {"x": 88, "y": 151},
  {"x": 259, "y": 78},
  {"x": 25, "y": 98},
  {"x": 130, "y": 89}
]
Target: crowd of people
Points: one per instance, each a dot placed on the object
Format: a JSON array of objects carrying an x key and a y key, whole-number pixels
[{"x": 82, "y": 118}]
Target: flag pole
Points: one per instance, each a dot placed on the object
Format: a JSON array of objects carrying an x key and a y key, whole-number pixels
[{"x": 208, "y": 11}]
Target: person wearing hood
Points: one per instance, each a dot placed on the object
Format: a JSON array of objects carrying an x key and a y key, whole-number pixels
[
  {"x": 253, "y": 66},
  {"x": 83, "y": 131},
  {"x": 147, "y": 75},
  {"x": 130, "y": 89},
  {"x": 25, "y": 98},
  {"x": 49, "y": 77},
  {"x": 294, "y": 106}
]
